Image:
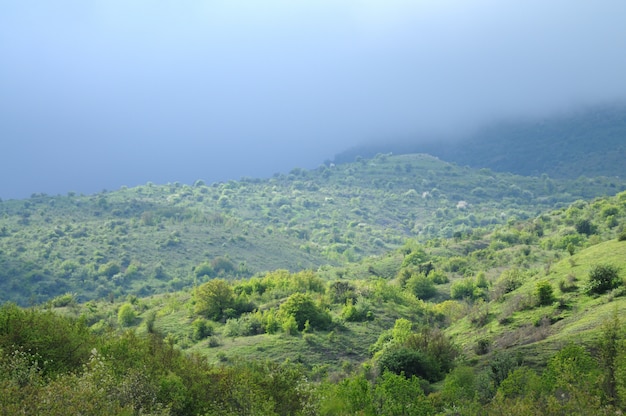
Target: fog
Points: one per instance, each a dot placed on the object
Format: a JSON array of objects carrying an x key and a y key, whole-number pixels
[{"x": 100, "y": 94}]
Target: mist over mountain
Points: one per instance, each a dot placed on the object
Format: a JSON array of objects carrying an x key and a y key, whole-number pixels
[
  {"x": 102, "y": 94},
  {"x": 587, "y": 142}
]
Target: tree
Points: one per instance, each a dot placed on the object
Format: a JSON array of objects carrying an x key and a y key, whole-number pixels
[
  {"x": 303, "y": 309},
  {"x": 603, "y": 278},
  {"x": 213, "y": 299},
  {"x": 126, "y": 315},
  {"x": 545, "y": 293},
  {"x": 408, "y": 362},
  {"x": 586, "y": 227},
  {"x": 421, "y": 286}
]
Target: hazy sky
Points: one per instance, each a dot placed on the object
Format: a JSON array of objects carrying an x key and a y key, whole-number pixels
[{"x": 103, "y": 93}]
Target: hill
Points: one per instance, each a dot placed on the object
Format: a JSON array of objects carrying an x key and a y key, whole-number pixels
[
  {"x": 587, "y": 142},
  {"x": 153, "y": 239},
  {"x": 508, "y": 321}
]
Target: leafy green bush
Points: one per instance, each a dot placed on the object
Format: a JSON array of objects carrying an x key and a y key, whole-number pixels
[
  {"x": 409, "y": 362},
  {"x": 462, "y": 289},
  {"x": 126, "y": 315},
  {"x": 63, "y": 300},
  {"x": 302, "y": 308},
  {"x": 201, "y": 329},
  {"x": 603, "y": 278},
  {"x": 213, "y": 299},
  {"x": 545, "y": 293},
  {"x": 421, "y": 286},
  {"x": 586, "y": 227},
  {"x": 357, "y": 312}
]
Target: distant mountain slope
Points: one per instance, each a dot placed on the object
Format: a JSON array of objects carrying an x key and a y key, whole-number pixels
[
  {"x": 152, "y": 239},
  {"x": 589, "y": 142}
]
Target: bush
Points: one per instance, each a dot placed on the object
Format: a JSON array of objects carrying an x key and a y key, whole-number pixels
[
  {"x": 622, "y": 236},
  {"x": 303, "y": 309},
  {"x": 462, "y": 289},
  {"x": 409, "y": 362},
  {"x": 126, "y": 315},
  {"x": 63, "y": 300},
  {"x": 585, "y": 226},
  {"x": 201, "y": 329},
  {"x": 603, "y": 278},
  {"x": 545, "y": 293},
  {"x": 356, "y": 312},
  {"x": 421, "y": 286}
]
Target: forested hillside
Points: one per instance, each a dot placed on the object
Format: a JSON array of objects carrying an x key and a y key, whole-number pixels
[
  {"x": 150, "y": 239},
  {"x": 589, "y": 142},
  {"x": 521, "y": 319}
]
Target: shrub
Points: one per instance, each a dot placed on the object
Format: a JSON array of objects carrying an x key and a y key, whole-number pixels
[
  {"x": 201, "y": 329},
  {"x": 303, "y": 309},
  {"x": 213, "y": 299},
  {"x": 421, "y": 286},
  {"x": 126, "y": 315},
  {"x": 585, "y": 226},
  {"x": 63, "y": 300},
  {"x": 409, "y": 362},
  {"x": 482, "y": 347},
  {"x": 622, "y": 236},
  {"x": 545, "y": 293},
  {"x": 360, "y": 311},
  {"x": 603, "y": 278},
  {"x": 439, "y": 277}
]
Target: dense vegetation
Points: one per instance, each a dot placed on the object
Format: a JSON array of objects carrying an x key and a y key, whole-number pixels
[
  {"x": 401, "y": 285},
  {"x": 155, "y": 239}
]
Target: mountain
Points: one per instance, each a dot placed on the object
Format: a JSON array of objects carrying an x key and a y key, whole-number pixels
[
  {"x": 150, "y": 239},
  {"x": 588, "y": 142}
]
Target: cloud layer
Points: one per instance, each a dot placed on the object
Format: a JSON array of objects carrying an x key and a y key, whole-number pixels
[{"x": 101, "y": 94}]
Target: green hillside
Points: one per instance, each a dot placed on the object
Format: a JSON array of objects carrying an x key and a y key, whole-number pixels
[
  {"x": 500, "y": 321},
  {"x": 149, "y": 239},
  {"x": 397, "y": 285}
]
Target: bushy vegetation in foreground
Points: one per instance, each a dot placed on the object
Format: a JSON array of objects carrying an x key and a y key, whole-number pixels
[{"x": 54, "y": 365}]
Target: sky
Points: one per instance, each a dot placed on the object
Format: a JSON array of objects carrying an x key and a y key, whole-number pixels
[{"x": 99, "y": 94}]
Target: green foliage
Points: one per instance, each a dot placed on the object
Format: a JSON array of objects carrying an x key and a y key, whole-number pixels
[
  {"x": 63, "y": 300},
  {"x": 468, "y": 288},
  {"x": 213, "y": 299},
  {"x": 109, "y": 269},
  {"x": 126, "y": 315},
  {"x": 302, "y": 308},
  {"x": 416, "y": 257},
  {"x": 401, "y": 396},
  {"x": 585, "y": 226},
  {"x": 459, "y": 386},
  {"x": 61, "y": 344},
  {"x": 508, "y": 281},
  {"x": 545, "y": 293},
  {"x": 204, "y": 269},
  {"x": 358, "y": 312},
  {"x": 290, "y": 325},
  {"x": 408, "y": 362},
  {"x": 421, "y": 286},
  {"x": 602, "y": 278},
  {"x": 202, "y": 329}
]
